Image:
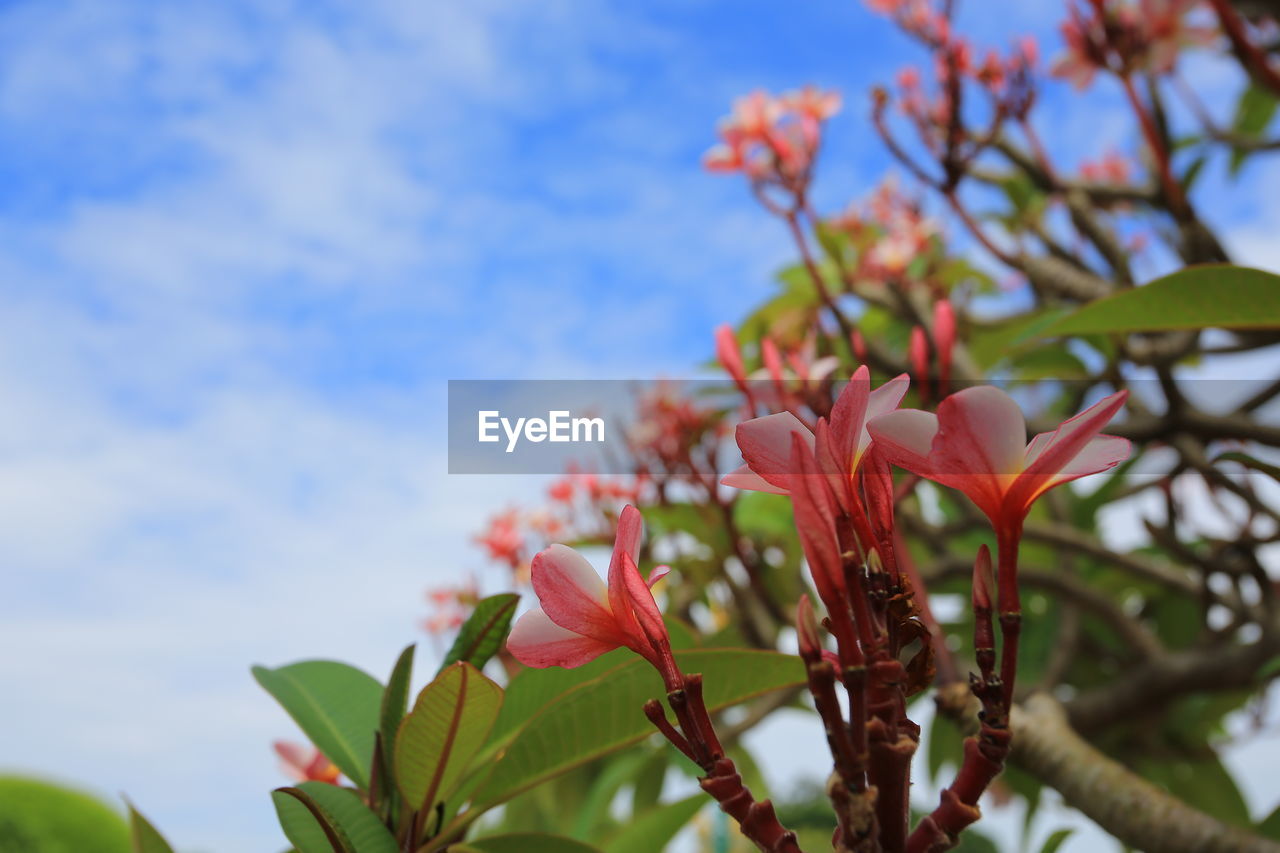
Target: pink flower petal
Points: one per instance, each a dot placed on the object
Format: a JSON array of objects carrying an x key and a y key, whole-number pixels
[
  {"x": 643, "y": 606},
  {"x": 1047, "y": 455},
  {"x": 744, "y": 478},
  {"x": 981, "y": 431},
  {"x": 538, "y": 642},
  {"x": 814, "y": 513},
  {"x": 834, "y": 464},
  {"x": 1102, "y": 453},
  {"x": 849, "y": 413},
  {"x": 905, "y": 437},
  {"x": 626, "y": 548},
  {"x": 766, "y": 445},
  {"x": 656, "y": 574},
  {"x": 881, "y": 401},
  {"x": 572, "y": 594}
]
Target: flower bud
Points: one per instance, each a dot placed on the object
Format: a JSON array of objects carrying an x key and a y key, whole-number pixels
[
  {"x": 807, "y": 631},
  {"x": 984, "y": 581},
  {"x": 944, "y": 336}
]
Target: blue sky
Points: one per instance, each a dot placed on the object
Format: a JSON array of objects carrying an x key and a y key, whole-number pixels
[{"x": 242, "y": 248}]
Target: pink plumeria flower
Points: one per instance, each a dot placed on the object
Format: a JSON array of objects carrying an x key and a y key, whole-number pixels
[
  {"x": 305, "y": 763},
  {"x": 581, "y": 618},
  {"x": 766, "y": 442},
  {"x": 976, "y": 443}
]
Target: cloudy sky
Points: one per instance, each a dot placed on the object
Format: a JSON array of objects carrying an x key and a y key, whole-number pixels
[{"x": 242, "y": 248}]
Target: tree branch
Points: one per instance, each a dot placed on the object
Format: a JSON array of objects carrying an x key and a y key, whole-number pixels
[{"x": 1121, "y": 802}]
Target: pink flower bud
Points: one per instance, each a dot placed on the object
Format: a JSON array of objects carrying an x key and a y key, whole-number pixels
[
  {"x": 944, "y": 336},
  {"x": 984, "y": 581},
  {"x": 809, "y": 639}
]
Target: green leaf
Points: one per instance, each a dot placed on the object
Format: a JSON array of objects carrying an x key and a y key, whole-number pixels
[
  {"x": 1056, "y": 840},
  {"x": 1199, "y": 297},
  {"x": 1254, "y": 111},
  {"x": 482, "y": 634},
  {"x": 532, "y": 690},
  {"x": 654, "y": 829},
  {"x": 395, "y": 700},
  {"x": 1248, "y": 461},
  {"x": 992, "y": 344},
  {"x": 443, "y": 733},
  {"x": 307, "y": 826},
  {"x": 352, "y": 818},
  {"x": 337, "y": 706},
  {"x": 606, "y": 714},
  {"x": 522, "y": 842},
  {"x": 146, "y": 838}
]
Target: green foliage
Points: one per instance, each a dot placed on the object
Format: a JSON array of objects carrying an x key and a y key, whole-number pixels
[
  {"x": 653, "y": 829},
  {"x": 1199, "y": 297},
  {"x": 443, "y": 733},
  {"x": 337, "y": 706},
  {"x": 395, "y": 701},
  {"x": 40, "y": 816},
  {"x": 605, "y": 714},
  {"x": 314, "y": 816},
  {"x": 482, "y": 634},
  {"x": 307, "y": 826}
]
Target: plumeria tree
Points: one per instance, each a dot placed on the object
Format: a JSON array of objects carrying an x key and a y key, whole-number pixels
[{"x": 898, "y": 541}]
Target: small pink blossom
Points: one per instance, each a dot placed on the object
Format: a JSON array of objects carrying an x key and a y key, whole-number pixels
[{"x": 581, "y": 618}]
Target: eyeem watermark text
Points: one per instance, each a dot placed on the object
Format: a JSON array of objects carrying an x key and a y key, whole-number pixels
[{"x": 558, "y": 426}]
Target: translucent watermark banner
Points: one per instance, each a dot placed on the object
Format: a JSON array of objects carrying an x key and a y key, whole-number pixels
[{"x": 547, "y": 426}]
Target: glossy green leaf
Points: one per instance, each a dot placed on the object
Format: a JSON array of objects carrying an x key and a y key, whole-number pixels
[
  {"x": 522, "y": 842},
  {"x": 146, "y": 838},
  {"x": 654, "y": 829},
  {"x": 307, "y": 826},
  {"x": 352, "y": 818},
  {"x": 606, "y": 714},
  {"x": 1200, "y": 297},
  {"x": 443, "y": 733},
  {"x": 337, "y": 706},
  {"x": 482, "y": 634}
]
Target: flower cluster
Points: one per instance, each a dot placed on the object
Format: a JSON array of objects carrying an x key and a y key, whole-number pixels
[
  {"x": 887, "y": 231},
  {"x": 773, "y": 140},
  {"x": 1125, "y": 37}
]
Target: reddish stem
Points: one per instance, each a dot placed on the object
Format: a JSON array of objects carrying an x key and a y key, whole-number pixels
[
  {"x": 1172, "y": 191},
  {"x": 1008, "y": 538},
  {"x": 1253, "y": 59}
]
